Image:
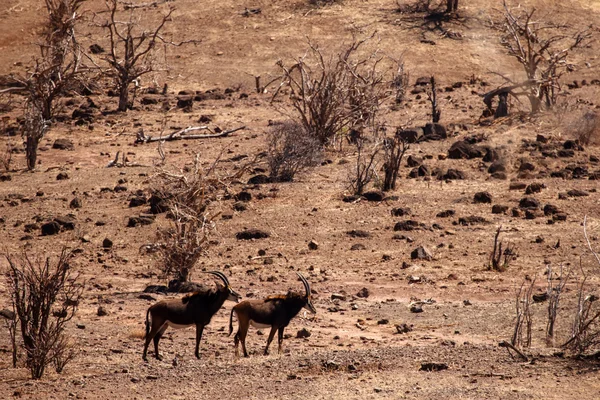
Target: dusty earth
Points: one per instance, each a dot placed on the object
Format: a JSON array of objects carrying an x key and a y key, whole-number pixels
[{"x": 354, "y": 349}]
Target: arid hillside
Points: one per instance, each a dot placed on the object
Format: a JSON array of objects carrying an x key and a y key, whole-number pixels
[{"x": 409, "y": 304}]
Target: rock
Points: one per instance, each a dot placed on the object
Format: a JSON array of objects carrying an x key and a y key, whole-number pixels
[
  {"x": 491, "y": 155},
  {"x": 63, "y": 144},
  {"x": 472, "y": 220},
  {"x": 435, "y": 130},
  {"x": 412, "y": 135},
  {"x": 516, "y": 213},
  {"x": 137, "y": 201},
  {"x": 401, "y": 211},
  {"x": 540, "y": 297},
  {"x": 249, "y": 234},
  {"x": 151, "y": 99},
  {"x": 158, "y": 204},
  {"x": 529, "y": 203},
  {"x": 566, "y": 153},
  {"x": 244, "y": 196},
  {"x": 559, "y": 217},
  {"x": 240, "y": 206},
  {"x": 66, "y": 222},
  {"x": 414, "y": 161},
  {"x": 351, "y": 198},
  {"x": 526, "y": 166},
  {"x": 421, "y": 253},
  {"x": 101, "y": 311},
  {"x": 433, "y": 366},
  {"x": 338, "y": 296},
  {"x": 259, "y": 179},
  {"x": 363, "y": 293},
  {"x": 499, "y": 209},
  {"x": 464, "y": 150},
  {"x": 499, "y": 175},
  {"x": 312, "y": 245},
  {"x": 572, "y": 145},
  {"x": 408, "y": 225},
  {"x": 535, "y": 187},
  {"x": 156, "y": 289},
  {"x": 5, "y": 178},
  {"x": 482, "y": 197},
  {"x": 120, "y": 188},
  {"x": 416, "y": 308},
  {"x": 383, "y": 321},
  {"x": 358, "y": 233},
  {"x": 403, "y": 328},
  {"x": 374, "y": 195},
  {"x": 550, "y": 209},
  {"x": 107, "y": 243},
  {"x": 62, "y": 176},
  {"x": 517, "y": 186},
  {"x": 76, "y": 203},
  {"x": 446, "y": 214},
  {"x": 497, "y": 166},
  {"x": 185, "y": 102},
  {"x": 532, "y": 213},
  {"x": 140, "y": 220},
  {"x": 303, "y": 333},
  {"x": 577, "y": 193},
  {"x": 580, "y": 172},
  {"x": 358, "y": 246}
]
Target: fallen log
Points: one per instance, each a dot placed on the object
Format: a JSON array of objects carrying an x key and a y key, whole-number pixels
[{"x": 180, "y": 135}]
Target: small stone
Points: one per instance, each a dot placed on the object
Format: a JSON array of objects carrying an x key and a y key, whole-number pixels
[
  {"x": 499, "y": 209},
  {"x": 416, "y": 308},
  {"x": 529, "y": 203},
  {"x": 338, "y": 296},
  {"x": 50, "y": 228},
  {"x": 577, "y": 193},
  {"x": 101, "y": 311},
  {"x": 433, "y": 366},
  {"x": 358, "y": 246},
  {"x": 76, "y": 203},
  {"x": 374, "y": 195},
  {"x": 63, "y": 144},
  {"x": 303, "y": 333},
  {"x": 312, "y": 245},
  {"x": 107, "y": 243},
  {"x": 421, "y": 253},
  {"x": 403, "y": 328},
  {"x": 363, "y": 293},
  {"x": 62, "y": 176},
  {"x": 482, "y": 197},
  {"x": 383, "y": 321}
]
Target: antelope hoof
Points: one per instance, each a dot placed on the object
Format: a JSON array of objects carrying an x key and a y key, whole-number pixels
[{"x": 159, "y": 358}]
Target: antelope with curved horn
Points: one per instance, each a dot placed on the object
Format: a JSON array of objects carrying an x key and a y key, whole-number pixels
[
  {"x": 275, "y": 312},
  {"x": 193, "y": 309}
]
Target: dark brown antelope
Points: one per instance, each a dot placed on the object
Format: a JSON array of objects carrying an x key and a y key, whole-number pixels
[
  {"x": 193, "y": 309},
  {"x": 275, "y": 312}
]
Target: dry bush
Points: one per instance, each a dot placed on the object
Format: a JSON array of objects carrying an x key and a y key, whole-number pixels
[
  {"x": 400, "y": 81},
  {"x": 34, "y": 128},
  {"x": 335, "y": 94},
  {"x": 585, "y": 332},
  {"x": 554, "y": 292},
  {"x": 542, "y": 48},
  {"x": 393, "y": 151},
  {"x": 290, "y": 150},
  {"x": 188, "y": 196},
  {"x": 500, "y": 258},
  {"x": 45, "y": 296},
  {"x": 523, "y": 322},
  {"x": 366, "y": 166},
  {"x": 585, "y": 128}
]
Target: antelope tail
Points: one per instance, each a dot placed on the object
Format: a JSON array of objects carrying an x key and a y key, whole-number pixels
[
  {"x": 231, "y": 322},
  {"x": 147, "y": 324}
]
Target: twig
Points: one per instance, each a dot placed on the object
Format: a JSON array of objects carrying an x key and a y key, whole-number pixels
[{"x": 507, "y": 345}]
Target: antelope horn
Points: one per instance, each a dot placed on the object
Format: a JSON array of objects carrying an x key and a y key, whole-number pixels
[
  {"x": 305, "y": 283},
  {"x": 220, "y": 275}
]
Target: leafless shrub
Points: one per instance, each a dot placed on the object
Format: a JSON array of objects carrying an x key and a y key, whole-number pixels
[
  {"x": 400, "y": 81},
  {"x": 554, "y": 292},
  {"x": 542, "y": 48},
  {"x": 500, "y": 258},
  {"x": 585, "y": 128},
  {"x": 132, "y": 48},
  {"x": 436, "y": 113},
  {"x": 338, "y": 93},
  {"x": 188, "y": 196},
  {"x": 45, "y": 296},
  {"x": 366, "y": 165},
  {"x": 523, "y": 322},
  {"x": 393, "y": 152},
  {"x": 585, "y": 331},
  {"x": 290, "y": 150}
]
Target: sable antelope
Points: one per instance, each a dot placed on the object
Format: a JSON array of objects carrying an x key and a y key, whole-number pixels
[
  {"x": 274, "y": 311},
  {"x": 193, "y": 309}
]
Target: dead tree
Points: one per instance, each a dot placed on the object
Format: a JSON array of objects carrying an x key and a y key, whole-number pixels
[
  {"x": 523, "y": 322},
  {"x": 365, "y": 168},
  {"x": 554, "y": 292},
  {"x": 131, "y": 48},
  {"x": 451, "y": 6},
  {"x": 542, "y": 50},
  {"x": 45, "y": 296},
  {"x": 436, "y": 113},
  {"x": 34, "y": 128}
]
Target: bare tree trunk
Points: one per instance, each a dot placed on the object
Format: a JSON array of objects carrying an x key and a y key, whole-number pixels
[
  {"x": 31, "y": 151},
  {"x": 123, "y": 98},
  {"x": 451, "y": 6}
]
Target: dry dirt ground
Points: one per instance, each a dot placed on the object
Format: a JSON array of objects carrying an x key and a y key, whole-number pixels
[{"x": 352, "y": 351}]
